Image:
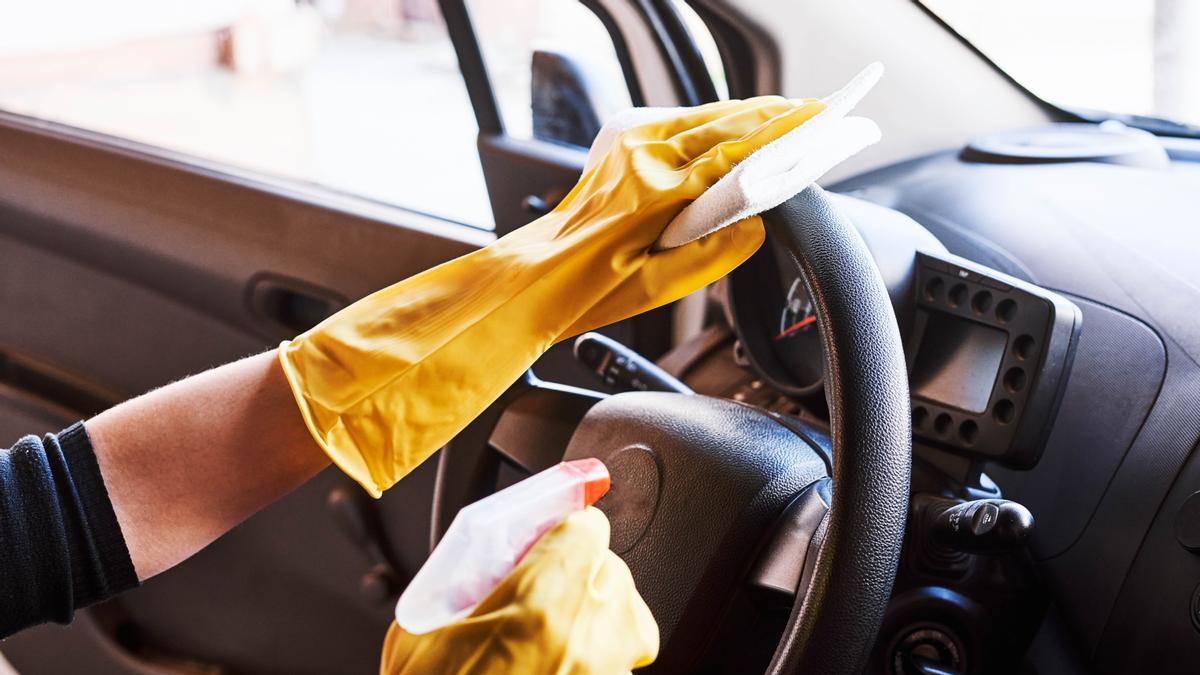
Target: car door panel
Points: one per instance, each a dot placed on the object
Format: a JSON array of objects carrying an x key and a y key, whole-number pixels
[
  {"x": 58, "y": 309},
  {"x": 124, "y": 268},
  {"x": 546, "y": 172}
]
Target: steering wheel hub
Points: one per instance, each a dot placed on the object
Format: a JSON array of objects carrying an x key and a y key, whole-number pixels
[{"x": 698, "y": 484}]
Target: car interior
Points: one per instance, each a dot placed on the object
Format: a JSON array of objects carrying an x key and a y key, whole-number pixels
[{"x": 945, "y": 420}]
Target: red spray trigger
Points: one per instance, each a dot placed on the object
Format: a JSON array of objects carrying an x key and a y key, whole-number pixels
[{"x": 596, "y": 480}]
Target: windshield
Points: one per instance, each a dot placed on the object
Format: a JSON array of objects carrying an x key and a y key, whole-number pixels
[{"x": 1122, "y": 57}]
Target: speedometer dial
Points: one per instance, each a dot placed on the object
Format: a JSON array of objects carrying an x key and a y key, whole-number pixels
[
  {"x": 798, "y": 314},
  {"x": 775, "y": 321}
]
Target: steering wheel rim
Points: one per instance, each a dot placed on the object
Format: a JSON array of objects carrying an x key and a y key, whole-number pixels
[{"x": 832, "y": 627}]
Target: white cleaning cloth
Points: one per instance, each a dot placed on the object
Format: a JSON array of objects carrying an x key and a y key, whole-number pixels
[{"x": 774, "y": 173}]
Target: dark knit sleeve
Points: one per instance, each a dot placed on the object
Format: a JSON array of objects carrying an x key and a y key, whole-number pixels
[{"x": 61, "y": 548}]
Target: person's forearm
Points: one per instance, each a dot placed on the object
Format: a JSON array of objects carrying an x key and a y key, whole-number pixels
[{"x": 185, "y": 463}]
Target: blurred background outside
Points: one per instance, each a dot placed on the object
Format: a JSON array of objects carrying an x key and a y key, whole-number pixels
[
  {"x": 365, "y": 97},
  {"x": 1139, "y": 57},
  {"x": 362, "y": 96}
]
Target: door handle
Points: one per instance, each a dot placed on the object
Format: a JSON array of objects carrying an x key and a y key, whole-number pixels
[
  {"x": 535, "y": 205},
  {"x": 540, "y": 205},
  {"x": 285, "y": 307}
]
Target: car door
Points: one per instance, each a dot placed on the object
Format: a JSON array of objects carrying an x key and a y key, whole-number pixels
[
  {"x": 180, "y": 187},
  {"x": 175, "y": 195}
]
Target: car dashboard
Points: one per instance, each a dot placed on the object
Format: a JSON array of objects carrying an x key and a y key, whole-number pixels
[{"x": 1048, "y": 314}]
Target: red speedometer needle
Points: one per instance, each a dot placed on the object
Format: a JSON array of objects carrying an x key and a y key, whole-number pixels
[{"x": 802, "y": 323}]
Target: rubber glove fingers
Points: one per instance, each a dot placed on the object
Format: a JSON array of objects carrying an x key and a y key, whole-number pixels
[
  {"x": 661, "y": 277},
  {"x": 769, "y": 114},
  {"x": 663, "y": 123},
  {"x": 722, "y": 156},
  {"x": 646, "y": 173},
  {"x": 694, "y": 159},
  {"x": 782, "y": 168},
  {"x": 570, "y": 606}
]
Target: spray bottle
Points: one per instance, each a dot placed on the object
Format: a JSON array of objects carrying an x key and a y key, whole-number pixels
[{"x": 489, "y": 537}]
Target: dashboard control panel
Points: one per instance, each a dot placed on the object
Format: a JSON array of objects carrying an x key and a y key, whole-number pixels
[{"x": 988, "y": 357}]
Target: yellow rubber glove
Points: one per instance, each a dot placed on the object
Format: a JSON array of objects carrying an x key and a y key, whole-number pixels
[
  {"x": 390, "y": 379},
  {"x": 570, "y": 606}
]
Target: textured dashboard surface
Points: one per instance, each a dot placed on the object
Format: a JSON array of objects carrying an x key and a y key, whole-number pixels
[
  {"x": 1125, "y": 238},
  {"x": 1119, "y": 367}
]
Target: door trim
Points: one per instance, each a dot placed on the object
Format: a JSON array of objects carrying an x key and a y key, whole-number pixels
[{"x": 141, "y": 213}]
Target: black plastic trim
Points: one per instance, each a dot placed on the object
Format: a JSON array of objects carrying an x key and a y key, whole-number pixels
[
  {"x": 733, "y": 45},
  {"x": 470, "y": 62},
  {"x": 686, "y": 58}
]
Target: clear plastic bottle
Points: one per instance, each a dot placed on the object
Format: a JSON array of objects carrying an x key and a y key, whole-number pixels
[{"x": 488, "y": 538}]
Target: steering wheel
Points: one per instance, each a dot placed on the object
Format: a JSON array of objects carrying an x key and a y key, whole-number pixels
[{"x": 709, "y": 495}]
